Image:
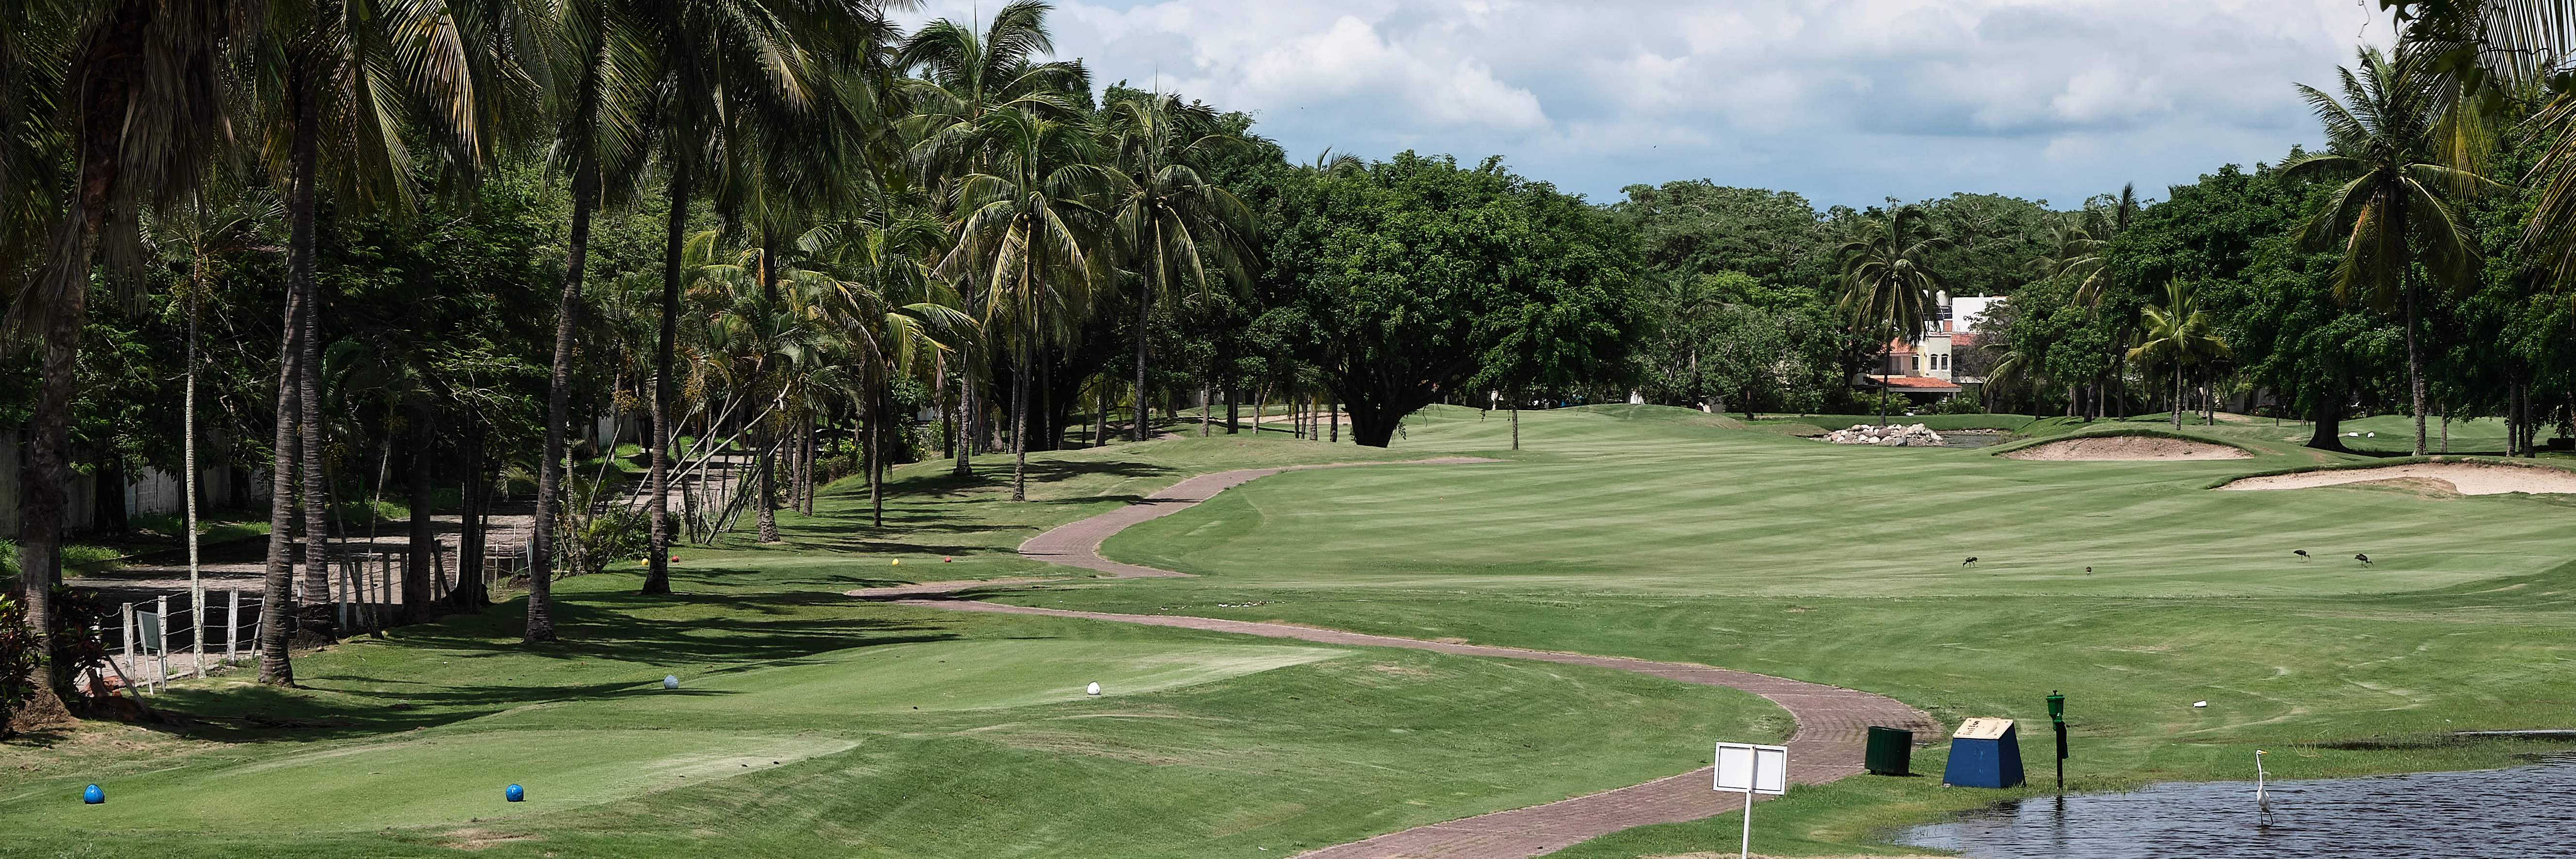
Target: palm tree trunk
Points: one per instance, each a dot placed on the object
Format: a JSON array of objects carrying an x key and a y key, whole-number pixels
[
  {"x": 477, "y": 494},
  {"x": 278, "y": 583},
  {"x": 1883, "y": 373},
  {"x": 1207, "y": 408},
  {"x": 965, "y": 425},
  {"x": 657, "y": 479},
  {"x": 1020, "y": 426},
  {"x": 1516, "y": 420},
  {"x": 1143, "y": 306},
  {"x": 280, "y": 586},
  {"x": 2177, "y": 398},
  {"x": 317, "y": 478},
  {"x": 876, "y": 458},
  {"x": 49, "y": 469},
  {"x": 2415, "y": 371},
  {"x": 423, "y": 544},
  {"x": 541, "y": 533},
  {"x": 806, "y": 453}
]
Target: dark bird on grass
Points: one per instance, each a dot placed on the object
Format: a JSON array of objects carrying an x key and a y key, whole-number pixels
[
  {"x": 1972, "y": 560},
  {"x": 2088, "y": 571},
  {"x": 2364, "y": 559},
  {"x": 2302, "y": 553}
]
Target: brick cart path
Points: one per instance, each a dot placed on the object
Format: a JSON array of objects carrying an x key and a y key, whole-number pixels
[{"x": 1832, "y": 722}]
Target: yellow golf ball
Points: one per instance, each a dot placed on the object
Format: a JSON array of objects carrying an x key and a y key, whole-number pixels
[{"x": 897, "y": 563}]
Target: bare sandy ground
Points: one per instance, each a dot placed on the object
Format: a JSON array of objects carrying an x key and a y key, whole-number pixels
[
  {"x": 2461, "y": 477},
  {"x": 2126, "y": 448}
]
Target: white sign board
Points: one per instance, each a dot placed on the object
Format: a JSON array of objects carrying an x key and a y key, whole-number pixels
[{"x": 1743, "y": 768}]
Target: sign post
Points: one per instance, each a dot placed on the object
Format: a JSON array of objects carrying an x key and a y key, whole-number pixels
[
  {"x": 2057, "y": 715},
  {"x": 1750, "y": 769}
]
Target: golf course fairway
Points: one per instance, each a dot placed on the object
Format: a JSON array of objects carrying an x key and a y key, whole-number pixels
[{"x": 1642, "y": 532}]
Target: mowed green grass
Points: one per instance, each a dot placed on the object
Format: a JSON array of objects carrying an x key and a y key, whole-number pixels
[
  {"x": 1612, "y": 534},
  {"x": 812, "y": 724},
  {"x": 1597, "y": 505}
]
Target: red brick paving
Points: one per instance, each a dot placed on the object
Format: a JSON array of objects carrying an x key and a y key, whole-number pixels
[{"x": 1833, "y": 722}]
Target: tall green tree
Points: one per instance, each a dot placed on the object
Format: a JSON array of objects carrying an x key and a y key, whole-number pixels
[
  {"x": 345, "y": 90},
  {"x": 1171, "y": 219},
  {"x": 730, "y": 78},
  {"x": 599, "y": 68},
  {"x": 1034, "y": 230},
  {"x": 961, "y": 76},
  {"x": 142, "y": 111},
  {"x": 2392, "y": 215},
  {"x": 2179, "y": 334},
  {"x": 1888, "y": 291},
  {"x": 1413, "y": 277}
]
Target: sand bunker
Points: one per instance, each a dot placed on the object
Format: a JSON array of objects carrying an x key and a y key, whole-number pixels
[
  {"x": 2126, "y": 448},
  {"x": 2460, "y": 477}
]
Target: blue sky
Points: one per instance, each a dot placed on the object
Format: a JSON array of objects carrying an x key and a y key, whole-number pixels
[{"x": 1845, "y": 101}]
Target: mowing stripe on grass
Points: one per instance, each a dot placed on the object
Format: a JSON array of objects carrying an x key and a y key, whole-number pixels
[{"x": 1832, "y": 722}]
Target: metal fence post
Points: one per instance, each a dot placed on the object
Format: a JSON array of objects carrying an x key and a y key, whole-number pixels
[{"x": 161, "y": 631}]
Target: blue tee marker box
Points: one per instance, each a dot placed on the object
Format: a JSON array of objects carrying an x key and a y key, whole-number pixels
[{"x": 1984, "y": 753}]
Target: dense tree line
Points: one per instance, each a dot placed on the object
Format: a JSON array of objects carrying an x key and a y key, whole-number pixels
[
  {"x": 358, "y": 250},
  {"x": 662, "y": 268}
]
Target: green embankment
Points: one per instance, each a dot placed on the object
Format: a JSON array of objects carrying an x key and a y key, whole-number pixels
[{"x": 812, "y": 724}]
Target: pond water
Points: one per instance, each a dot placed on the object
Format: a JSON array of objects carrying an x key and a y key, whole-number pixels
[
  {"x": 2491, "y": 814},
  {"x": 1971, "y": 439}
]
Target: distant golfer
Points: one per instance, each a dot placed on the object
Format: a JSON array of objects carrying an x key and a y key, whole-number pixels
[
  {"x": 2302, "y": 553},
  {"x": 1970, "y": 562},
  {"x": 2364, "y": 559}
]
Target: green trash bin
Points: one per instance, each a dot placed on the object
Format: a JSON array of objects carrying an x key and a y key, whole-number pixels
[{"x": 1891, "y": 751}]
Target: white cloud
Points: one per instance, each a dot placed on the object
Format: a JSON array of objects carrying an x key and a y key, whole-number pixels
[{"x": 1846, "y": 101}]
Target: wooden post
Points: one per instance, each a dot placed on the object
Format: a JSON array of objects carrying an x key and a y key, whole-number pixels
[{"x": 232, "y": 626}]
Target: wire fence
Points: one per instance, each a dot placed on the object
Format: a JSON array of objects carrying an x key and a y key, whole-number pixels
[{"x": 157, "y": 642}]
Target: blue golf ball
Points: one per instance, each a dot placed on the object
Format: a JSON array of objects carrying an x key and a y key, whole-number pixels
[
  {"x": 514, "y": 793},
  {"x": 93, "y": 795}
]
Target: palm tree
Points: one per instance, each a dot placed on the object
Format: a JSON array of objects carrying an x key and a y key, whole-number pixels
[
  {"x": 1033, "y": 232},
  {"x": 726, "y": 73},
  {"x": 1171, "y": 218},
  {"x": 2392, "y": 215},
  {"x": 874, "y": 284},
  {"x": 198, "y": 238},
  {"x": 602, "y": 72},
  {"x": 339, "y": 85},
  {"x": 963, "y": 77},
  {"x": 2179, "y": 334},
  {"x": 2082, "y": 255},
  {"x": 142, "y": 112},
  {"x": 1887, "y": 291}
]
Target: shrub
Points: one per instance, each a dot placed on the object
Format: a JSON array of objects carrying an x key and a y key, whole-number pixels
[
  {"x": 589, "y": 544},
  {"x": 19, "y": 658},
  {"x": 1960, "y": 406}
]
